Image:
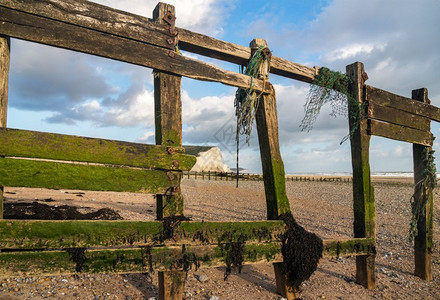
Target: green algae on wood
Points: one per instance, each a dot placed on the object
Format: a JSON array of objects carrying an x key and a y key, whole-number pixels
[
  {"x": 53, "y": 175},
  {"x": 17, "y": 234},
  {"x": 32, "y": 144},
  {"x": 124, "y": 260},
  {"x": 347, "y": 247}
]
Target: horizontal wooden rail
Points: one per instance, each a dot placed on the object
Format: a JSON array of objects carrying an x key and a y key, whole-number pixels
[
  {"x": 108, "y": 20},
  {"x": 134, "y": 260},
  {"x": 33, "y": 144},
  {"x": 21, "y": 25},
  {"x": 400, "y": 133},
  {"x": 348, "y": 247},
  {"x": 59, "y": 175},
  {"x": 398, "y": 117},
  {"x": 384, "y": 98},
  {"x": 17, "y": 234}
]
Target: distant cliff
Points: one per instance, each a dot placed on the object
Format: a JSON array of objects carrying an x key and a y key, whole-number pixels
[{"x": 208, "y": 159}]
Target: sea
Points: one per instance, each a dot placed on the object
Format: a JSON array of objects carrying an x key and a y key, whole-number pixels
[{"x": 373, "y": 174}]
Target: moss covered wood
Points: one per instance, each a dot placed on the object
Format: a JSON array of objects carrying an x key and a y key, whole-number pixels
[
  {"x": 423, "y": 242},
  {"x": 412, "y": 106},
  {"x": 363, "y": 191},
  {"x": 348, "y": 247},
  {"x": 15, "y": 234},
  {"x": 56, "y": 175},
  {"x": 400, "y": 133},
  {"x": 132, "y": 260},
  {"x": 33, "y": 144},
  {"x": 266, "y": 118}
]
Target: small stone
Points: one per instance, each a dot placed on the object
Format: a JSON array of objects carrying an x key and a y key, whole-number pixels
[
  {"x": 201, "y": 277},
  {"x": 97, "y": 297},
  {"x": 214, "y": 298},
  {"x": 282, "y": 298},
  {"x": 64, "y": 280},
  {"x": 152, "y": 298},
  {"x": 128, "y": 297}
]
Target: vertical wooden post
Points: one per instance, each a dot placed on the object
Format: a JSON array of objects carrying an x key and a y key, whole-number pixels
[
  {"x": 168, "y": 116},
  {"x": 273, "y": 167},
  {"x": 423, "y": 240},
  {"x": 168, "y": 123},
  {"x": 171, "y": 285},
  {"x": 5, "y": 48},
  {"x": 363, "y": 191}
]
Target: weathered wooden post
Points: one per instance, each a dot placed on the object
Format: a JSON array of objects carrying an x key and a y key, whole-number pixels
[
  {"x": 4, "y": 75},
  {"x": 168, "y": 123},
  {"x": 423, "y": 239},
  {"x": 267, "y": 127},
  {"x": 277, "y": 202},
  {"x": 363, "y": 191}
]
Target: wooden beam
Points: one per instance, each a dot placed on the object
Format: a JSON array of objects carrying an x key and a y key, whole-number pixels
[
  {"x": 348, "y": 247},
  {"x": 5, "y": 53},
  {"x": 57, "y": 175},
  {"x": 363, "y": 191},
  {"x": 108, "y": 20},
  {"x": 266, "y": 118},
  {"x": 400, "y": 133},
  {"x": 398, "y": 117},
  {"x": 132, "y": 260},
  {"x": 32, "y": 234},
  {"x": 384, "y": 98},
  {"x": 33, "y": 144},
  {"x": 168, "y": 117},
  {"x": 423, "y": 242},
  {"x": 42, "y": 30}
]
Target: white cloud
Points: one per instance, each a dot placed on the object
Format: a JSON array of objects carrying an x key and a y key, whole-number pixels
[{"x": 204, "y": 16}]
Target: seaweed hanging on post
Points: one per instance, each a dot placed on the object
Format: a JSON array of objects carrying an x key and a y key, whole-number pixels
[
  {"x": 246, "y": 100},
  {"x": 422, "y": 191}
]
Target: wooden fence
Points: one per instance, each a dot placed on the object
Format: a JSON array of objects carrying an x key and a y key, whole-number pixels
[
  {"x": 231, "y": 176},
  {"x": 36, "y": 159}
]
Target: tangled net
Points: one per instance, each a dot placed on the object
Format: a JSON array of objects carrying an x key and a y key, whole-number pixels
[
  {"x": 246, "y": 100},
  {"x": 327, "y": 87},
  {"x": 422, "y": 191}
]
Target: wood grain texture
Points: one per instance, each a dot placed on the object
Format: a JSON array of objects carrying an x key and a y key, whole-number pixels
[
  {"x": 266, "y": 119},
  {"x": 363, "y": 191},
  {"x": 384, "y": 98},
  {"x": 5, "y": 55},
  {"x": 423, "y": 241},
  {"x": 398, "y": 117},
  {"x": 33, "y": 144},
  {"x": 108, "y": 20},
  {"x": 54, "y": 33},
  {"x": 55, "y": 175},
  {"x": 400, "y": 133}
]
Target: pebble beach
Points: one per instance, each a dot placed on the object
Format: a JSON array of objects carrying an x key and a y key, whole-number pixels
[{"x": 324, "y": 208}]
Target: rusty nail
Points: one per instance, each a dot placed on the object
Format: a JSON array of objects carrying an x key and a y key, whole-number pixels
[
  {"x": 176, "y": 163},
  {"x": 171, "y": 53},
  {"x": 175, "y": 189},
  {"x": 170, "y": 41},
  {"x": 170, "y": 150}
]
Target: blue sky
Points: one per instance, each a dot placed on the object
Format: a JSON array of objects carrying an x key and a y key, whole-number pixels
[{"x": 55, "y": 90}]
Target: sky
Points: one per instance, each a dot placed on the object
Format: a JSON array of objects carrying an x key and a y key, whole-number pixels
[{"x": 56, "y": 90}]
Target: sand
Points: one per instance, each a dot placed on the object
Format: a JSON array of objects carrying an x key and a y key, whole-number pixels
[{"x": 324, "y": 208}]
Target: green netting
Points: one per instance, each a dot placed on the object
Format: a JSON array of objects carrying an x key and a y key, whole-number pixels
[
  {"x": 327, "y": 87},
  {"x": 422, "y": 191},
  {"x": 246, "y": 100}
]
